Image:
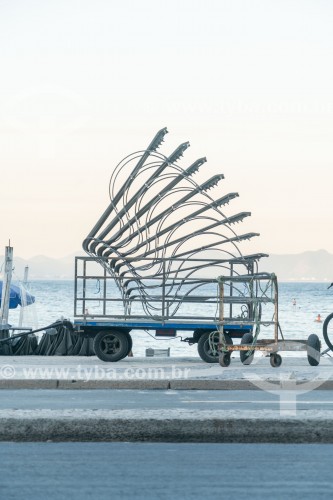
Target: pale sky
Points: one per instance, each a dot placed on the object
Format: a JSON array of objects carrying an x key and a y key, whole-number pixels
[{"x": 84, "y": 83}]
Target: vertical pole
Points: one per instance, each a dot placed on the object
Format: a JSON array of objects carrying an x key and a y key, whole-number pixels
[
  {"x": 23, "y": 295},
  {"x": 84, "y": 309},
  {"x": 163, "y": 293},
  {"x": 231, "y": 289},
  {"x": 104, "y": 295},
  {"x": 75, "y": 286},
  {"x": 276, "y": 305},
  {"x": 4, "y": 310},
  {"x": 221, "y": 312}
]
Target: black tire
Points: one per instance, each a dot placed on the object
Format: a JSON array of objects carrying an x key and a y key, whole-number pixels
[
  {"x": 245, "y": 357},
  {"x": 328, "y": 331},
  {"x": 204, "y": 348},
  {"x": 130, "y": 343},
  {"x": 224, "y": 359},
  {"x": 111, "y": 345},
  {"x": 275, "y": 359},
  {"x": 313, "y": 349}
]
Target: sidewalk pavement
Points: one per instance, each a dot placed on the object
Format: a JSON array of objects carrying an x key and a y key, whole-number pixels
[
  {"x": 73, "y": 372},
  {"x": 295, "y": 376}
]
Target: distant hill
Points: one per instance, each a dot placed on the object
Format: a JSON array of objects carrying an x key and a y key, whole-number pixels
[
  {"x": 42, "y": 267},
  {"x": 306, "y": 266}
]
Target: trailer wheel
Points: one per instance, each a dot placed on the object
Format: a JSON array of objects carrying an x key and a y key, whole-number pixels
[
  {"x": 275, "y": 359},
  {"x": 205, "y": 350},
  {"x": 111, "y": 345},
  {"x": 130, "y": 342},
  {"x": 246, "y": 357},
  {"x": 224, "y": 359},
  {"x": 313, "y": 349},
  {"x": 328, "y": 331}
]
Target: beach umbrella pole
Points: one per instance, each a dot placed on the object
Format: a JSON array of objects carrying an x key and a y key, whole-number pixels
[{"x": 4, "y": 309}]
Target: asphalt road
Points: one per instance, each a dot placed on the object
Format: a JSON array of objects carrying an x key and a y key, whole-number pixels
[
  {"x": 109, "y": 399},
  {"x": 147, "y": 471}
]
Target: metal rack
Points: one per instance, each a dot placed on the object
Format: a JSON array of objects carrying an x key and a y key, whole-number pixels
[
  {"x": 175, "y": 293},
  {"x": 256, "y": 292}
]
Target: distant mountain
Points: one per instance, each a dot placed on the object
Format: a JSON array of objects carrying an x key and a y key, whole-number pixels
[
  {"x": 42, "y": 267},
  {"x": 306, "y": 266}
]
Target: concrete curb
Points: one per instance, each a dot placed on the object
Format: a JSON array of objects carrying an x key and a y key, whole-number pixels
[
  {"x": 213, "y": 430},
  {"x": 174, "y": 384}
]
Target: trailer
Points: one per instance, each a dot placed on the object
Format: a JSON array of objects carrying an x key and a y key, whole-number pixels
[
  {"x": 175, "y": 302},
  {"x": 161, "y": 242}
]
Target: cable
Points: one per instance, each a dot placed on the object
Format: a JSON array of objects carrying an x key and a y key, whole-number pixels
[{"x": 65, "y": 323}]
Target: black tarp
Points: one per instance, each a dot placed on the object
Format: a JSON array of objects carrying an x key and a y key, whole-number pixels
[{"x": 59, "y": 339}]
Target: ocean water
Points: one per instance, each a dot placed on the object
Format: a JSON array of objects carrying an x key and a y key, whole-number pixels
[{"x": 55, "y": 299}]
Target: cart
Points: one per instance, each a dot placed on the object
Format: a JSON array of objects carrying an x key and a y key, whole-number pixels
[
  {"x": 257, "y": 297},
  {"x": 179, "y": 299}
]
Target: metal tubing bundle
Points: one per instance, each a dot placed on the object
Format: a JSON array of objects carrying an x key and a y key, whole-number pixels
[{"x": 163, "y": 230}]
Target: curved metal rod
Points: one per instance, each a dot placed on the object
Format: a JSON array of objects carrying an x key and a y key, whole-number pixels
[
  {"x": 155, "y": 143},
  {"x": 139, "y": 213},
  {"x": 171, "y": 159}
]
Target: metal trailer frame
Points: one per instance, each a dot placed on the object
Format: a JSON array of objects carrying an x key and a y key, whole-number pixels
[
  {"x": 257, "y": 297},
  {"x": 169, "y": 318}
]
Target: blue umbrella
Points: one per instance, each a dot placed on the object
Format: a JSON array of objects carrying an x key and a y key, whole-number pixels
[{"x": 17, "y": 296}]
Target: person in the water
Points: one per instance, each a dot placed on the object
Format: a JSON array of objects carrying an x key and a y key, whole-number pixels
[{"x": 330, "y": 286}]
